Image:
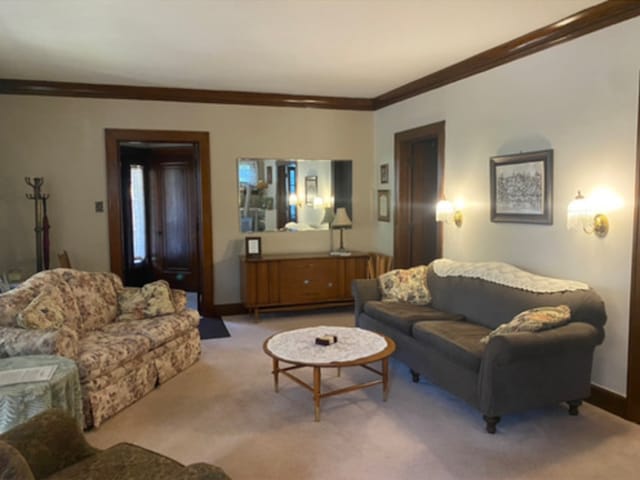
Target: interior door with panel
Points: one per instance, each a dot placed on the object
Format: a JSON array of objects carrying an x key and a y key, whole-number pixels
[{"x": 173, "y": 218}]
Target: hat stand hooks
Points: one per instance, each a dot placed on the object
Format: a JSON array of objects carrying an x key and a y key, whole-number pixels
[{"x": 42, "y": 223}]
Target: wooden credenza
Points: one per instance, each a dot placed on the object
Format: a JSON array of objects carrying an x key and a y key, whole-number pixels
[{"x": 299, "y": 281}]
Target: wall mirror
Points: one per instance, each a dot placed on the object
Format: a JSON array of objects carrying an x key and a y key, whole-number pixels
[{"x": 292, "y": 195}]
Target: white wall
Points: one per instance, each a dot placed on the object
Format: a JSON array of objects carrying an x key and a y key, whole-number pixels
[
  {"x": 579, "y": 99},
  {"x": 62, "y": 139}
]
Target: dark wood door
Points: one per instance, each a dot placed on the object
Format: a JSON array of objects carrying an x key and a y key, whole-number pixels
[
  {"x": 419, "y": 171},
  {"x": 173, "y": 218}
]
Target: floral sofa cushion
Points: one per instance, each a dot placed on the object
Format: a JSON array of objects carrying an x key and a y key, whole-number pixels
[
  {"x": 14, "y": 302},
  {"x": 152, "y": 300},
  {"x": 100, "y": 352},
  {"x": 405, "y": 285},
  {"x": 96, "y": 295},
  {"x": 159, "y": 330},
  {"x": 533, "y": 320},
  {"x": 46, "y": 310}
]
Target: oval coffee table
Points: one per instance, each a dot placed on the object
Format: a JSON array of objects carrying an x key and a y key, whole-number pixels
[{"x": 355, "y": 347}]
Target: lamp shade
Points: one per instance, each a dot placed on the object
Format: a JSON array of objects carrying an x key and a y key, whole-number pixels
[{"x": 341, "y": 220}]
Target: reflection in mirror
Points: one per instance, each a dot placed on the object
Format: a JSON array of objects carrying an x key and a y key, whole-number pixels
[{"x": 292, "y": 195}]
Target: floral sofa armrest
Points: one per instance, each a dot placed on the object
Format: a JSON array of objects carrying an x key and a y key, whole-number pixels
[
  {"x": 16, "y": 341},
  {"x": 179, "y": 299}
]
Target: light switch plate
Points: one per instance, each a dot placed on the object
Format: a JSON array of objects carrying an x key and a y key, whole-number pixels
[{"x": 100, "y": 206}]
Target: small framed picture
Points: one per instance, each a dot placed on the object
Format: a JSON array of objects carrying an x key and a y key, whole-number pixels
[
  {"x": 253, "y": 246},
  {"x": 383, "y": 205},
  {"x": 310, "y": 189},
  {"x": 384, "y": 173}
]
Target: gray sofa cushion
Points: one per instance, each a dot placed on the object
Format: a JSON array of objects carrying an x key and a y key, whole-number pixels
[
  {"x": 457, "y": 340},
  {"x": 402, "y": 316}
]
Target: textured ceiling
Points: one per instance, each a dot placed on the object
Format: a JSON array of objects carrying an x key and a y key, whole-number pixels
[{"x": 345, "y": 48}]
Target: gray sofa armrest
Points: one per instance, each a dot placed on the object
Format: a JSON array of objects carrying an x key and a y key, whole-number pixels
[
  {"x": 15, "y": 341},
  {"x": 504, "y": 349},
  {"x": 526, "y": 370},
  {"x": 364, "y": 290}
]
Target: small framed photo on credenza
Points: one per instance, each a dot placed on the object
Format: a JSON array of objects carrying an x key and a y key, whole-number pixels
[{"x": 253, "y": 246}]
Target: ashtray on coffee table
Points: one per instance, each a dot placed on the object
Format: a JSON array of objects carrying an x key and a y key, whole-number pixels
[{"x": 355, "y": 347}]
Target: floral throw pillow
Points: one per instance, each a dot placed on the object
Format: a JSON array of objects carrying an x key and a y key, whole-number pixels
[
  {"x": 534, "y": 320},
  {"x": 45, "y": 311},
  {"x": 152, "y": 300},
  {"x": 405, "y": 285},
  {"x": 158, "y": 297}
]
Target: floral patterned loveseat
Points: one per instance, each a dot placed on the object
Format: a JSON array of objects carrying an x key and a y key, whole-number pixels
[{"x": 124, "y": 340}]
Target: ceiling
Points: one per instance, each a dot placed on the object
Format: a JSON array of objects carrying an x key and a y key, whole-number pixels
[{"x": 341, "y": 48}]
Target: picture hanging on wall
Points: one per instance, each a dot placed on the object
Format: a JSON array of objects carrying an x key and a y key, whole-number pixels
[
  {"x": 522, "y": 188},
  {"x": 384, "y": 173},
  {"x": 383, "y": 206},
  {"x": 310, "y": 189}
]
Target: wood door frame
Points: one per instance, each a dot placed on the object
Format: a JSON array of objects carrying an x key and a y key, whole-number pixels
[
  {"x": 403, "y": 140},
  {"x": 113, "y": 138},
  {"x": 633, "y": 359}
]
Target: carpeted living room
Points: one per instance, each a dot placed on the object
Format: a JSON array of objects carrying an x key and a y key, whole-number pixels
[{"x": 236, "y": 206}]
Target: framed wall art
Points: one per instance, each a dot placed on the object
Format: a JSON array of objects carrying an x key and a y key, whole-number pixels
[
  {"x": 522, "y": 188},
  {"x": 383, "y": 205},
  {"x": 384, "y": 173},
  {"x": 310, "y": 189}
]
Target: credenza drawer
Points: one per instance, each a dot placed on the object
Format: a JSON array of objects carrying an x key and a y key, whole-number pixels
[{"x": 308, "y": 281}]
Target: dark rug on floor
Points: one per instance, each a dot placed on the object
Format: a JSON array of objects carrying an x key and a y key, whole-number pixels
[{"x": 212, "y": 327}]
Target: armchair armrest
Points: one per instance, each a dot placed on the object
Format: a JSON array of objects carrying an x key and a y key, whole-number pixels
[
  {"x": 364, "y": 290},
  {"x": 49, "y": 442},
  {"x": 203, "y": 471},
  {"x": 15, "y": 341}
]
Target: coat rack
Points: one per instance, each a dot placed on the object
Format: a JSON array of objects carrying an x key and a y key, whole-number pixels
[{"x": 41, "y": 220}]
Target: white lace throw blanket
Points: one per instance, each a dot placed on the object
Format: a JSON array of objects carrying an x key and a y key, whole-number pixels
[{"x": 505, "y": 274}]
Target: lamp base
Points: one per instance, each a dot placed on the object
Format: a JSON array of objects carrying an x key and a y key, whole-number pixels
[{"x": 340, "y": 253}]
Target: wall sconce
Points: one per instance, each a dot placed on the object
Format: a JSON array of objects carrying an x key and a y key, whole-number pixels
[
  {"x": 293, "y": 201},
  {"x": 590, "y": 214},
  {"x": 447, "y": 212}
]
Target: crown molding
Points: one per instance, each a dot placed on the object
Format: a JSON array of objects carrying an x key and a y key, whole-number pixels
[
  {"x": 68, "y": 89},
  {"x": 586, "y": 21}
]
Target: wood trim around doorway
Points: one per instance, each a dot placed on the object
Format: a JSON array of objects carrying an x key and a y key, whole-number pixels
[
  {"x": 403, "y": 141},
  {"x": 633, "y": 359},
  {"x": 113, "y": 137}
]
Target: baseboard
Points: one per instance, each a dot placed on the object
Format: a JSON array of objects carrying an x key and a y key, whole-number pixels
[
  {"x": 229, "y": 309},
  {"x": 608, "y": 400}
]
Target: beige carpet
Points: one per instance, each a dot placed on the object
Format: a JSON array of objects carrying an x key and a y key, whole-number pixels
[{"x": 223, "y": 410}]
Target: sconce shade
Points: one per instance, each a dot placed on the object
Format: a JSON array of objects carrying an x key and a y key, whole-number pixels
[
  {"x": 444, "y": 211},
  {"x": 578, "y": 213},
  {"x": 341, "y": 220}
]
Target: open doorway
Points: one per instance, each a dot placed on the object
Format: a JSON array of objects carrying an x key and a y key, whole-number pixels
[{"x": 160, "y": 210}]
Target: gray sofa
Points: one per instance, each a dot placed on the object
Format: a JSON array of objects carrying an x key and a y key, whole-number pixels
[{"x": 509, "y": 374}]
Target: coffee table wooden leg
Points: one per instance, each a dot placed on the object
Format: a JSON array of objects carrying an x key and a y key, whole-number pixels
[
  {"x": 316, "y": 392},
  {"x": 385, "y": 379},
  {"x": 276, "y": 370}
]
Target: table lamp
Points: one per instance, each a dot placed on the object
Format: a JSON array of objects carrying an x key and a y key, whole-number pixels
[{"x": 341, "y": 221}]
